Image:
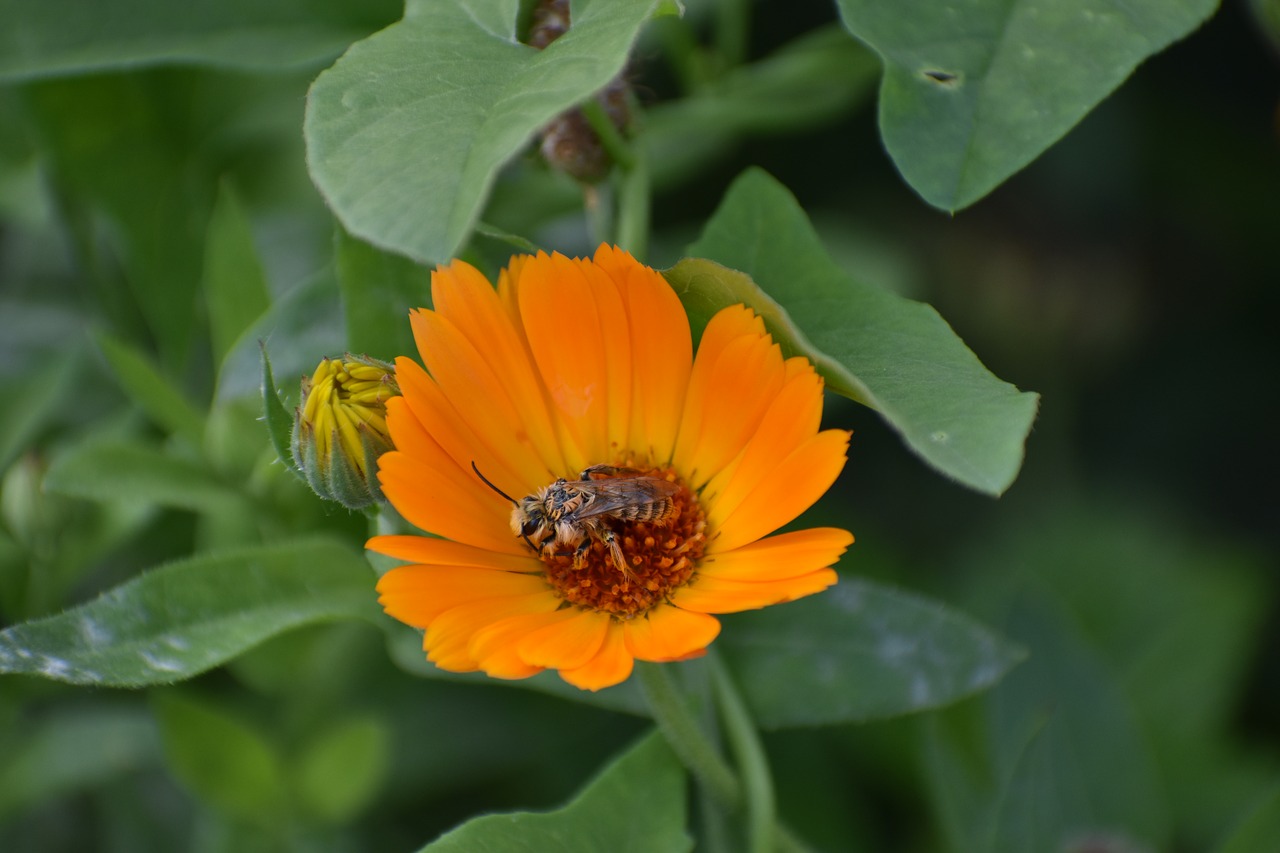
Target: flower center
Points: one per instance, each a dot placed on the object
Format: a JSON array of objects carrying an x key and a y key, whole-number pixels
[{"x": 658, "y": 555}]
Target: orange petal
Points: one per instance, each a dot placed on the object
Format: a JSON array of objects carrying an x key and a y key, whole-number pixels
[
  {"x": 449, "y": 636},
  {"x": 464, "y": 297},
  {"x": 669, "y": 633},
  {"x": 791, "y": 418},
  {"x": 788, "y": 490},
  {"x": 440, "y": 500},
  {"x": 576, "y": 326},
  {"x": 718, "y": 595},
  {"x": 457, "y": 442},
  {"x": 416, "y": 595},
  {"x": 786, "y": 555},
  {"x": 611, "y": 665},
  {"x": 732, "y": 384},
  {"x": 496, "y": 647},
  {"x": 415, "y": 439},
  {"x": 569, "y": 642},
  {"x": 661, "y": 352},
  {"x": 425, "y": 549},
  {"x": 479, "y": 401}
]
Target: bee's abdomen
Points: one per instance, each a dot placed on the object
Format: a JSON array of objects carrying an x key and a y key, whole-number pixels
[{"x": 654, "y": 511}]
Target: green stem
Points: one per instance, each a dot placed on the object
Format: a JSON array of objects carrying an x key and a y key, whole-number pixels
[
  {"x": 633, "y": 208},
  {"x": 685, "y": 737},
  {"x": 615, "y": 144},
  {"x": 748, "y": 752},
  {"x": 599, "y": 212}
]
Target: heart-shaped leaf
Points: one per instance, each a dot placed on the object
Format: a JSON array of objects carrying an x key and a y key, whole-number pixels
[
  {"x": 406, "y": 132},
  {"x": 975, "y": 90},
  {"x": 895, "y": 355}
]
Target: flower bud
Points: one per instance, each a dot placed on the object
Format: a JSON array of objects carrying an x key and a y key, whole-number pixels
[
  {"x": 569, "y": 143},
  {"x": 340, "y": 429}
]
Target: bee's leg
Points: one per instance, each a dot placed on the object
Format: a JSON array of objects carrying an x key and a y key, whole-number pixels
[
  {"x": 609, "y": 538},
  {"x": 607, "y": 470},
  {"x": 580, "y": 553}
]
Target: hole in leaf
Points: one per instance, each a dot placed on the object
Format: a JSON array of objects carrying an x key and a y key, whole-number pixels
[{"x": 945, "y": 78}]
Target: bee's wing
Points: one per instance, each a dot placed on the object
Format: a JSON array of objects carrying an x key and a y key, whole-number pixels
[{"x": 620, "y": 493}]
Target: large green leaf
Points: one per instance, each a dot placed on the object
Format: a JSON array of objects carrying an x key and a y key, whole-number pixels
[
  {"x": 975, "y": 90},
  {"x": 893, "y": 354},
  {"x": 407, "y": 130},
  {"x": 858, "y": 652},
  {"x": 187, "y": 617},
  {"x": 637, "y": 803},
  {"x": 1051, "y": 757},
  {"x": 60, "y": 37},
  {"x": 1174, "y": 610}
]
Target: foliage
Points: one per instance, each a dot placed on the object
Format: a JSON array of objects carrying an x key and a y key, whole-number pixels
[{"x": 199, "y": 201}]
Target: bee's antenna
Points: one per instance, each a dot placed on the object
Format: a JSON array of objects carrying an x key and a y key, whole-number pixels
[{"x": 491, "y": 485}]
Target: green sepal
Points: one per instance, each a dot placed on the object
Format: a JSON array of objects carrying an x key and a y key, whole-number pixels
[
  {"x": 345, "y": 483},
  {"x": 279, "y": 424},
  {"x": 374, "y": 446}
]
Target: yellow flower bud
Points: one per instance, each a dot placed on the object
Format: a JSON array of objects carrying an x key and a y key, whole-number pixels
[{"x": 340, "y": 429}]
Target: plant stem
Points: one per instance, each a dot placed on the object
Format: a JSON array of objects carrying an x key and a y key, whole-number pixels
[
  {"x": 748, "y": 752},
  {"x": 686, "y": 738},
  {"x": 633, "y": 208}
]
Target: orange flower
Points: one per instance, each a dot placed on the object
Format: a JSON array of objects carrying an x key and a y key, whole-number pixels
[{"x": 571, "y": 364}]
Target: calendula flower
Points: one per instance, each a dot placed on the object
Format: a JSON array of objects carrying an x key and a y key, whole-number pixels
[
  {"x": 340, "y": 429},
  {"x": 574, "y": 366}
]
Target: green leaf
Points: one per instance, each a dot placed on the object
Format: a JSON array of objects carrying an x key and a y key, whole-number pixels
[
  {"x": 341, "y": 770},
  {"x": 181, "y": 619},
  {"x": 895, "y": 355},
  {"x": 1173, "y": 609},
  {"x": 234, "y": 284},
  {"x": 858, "y": 652},
  {"x": 636, "y": 803},
  {"x": 378, "y": 291},
  {"x": 163, "y": 402},
  {"x": 1258, "y": 830},
  {"x": 57, "y": 37},
  {"x": 224, "y": 761},
  {"x": 114, "y": 471},
  {"x": 406, "y": 132},
  {"x": 74, "y": 750},
  {"x": 1051, "y": 756},
  {"x": 974, "y": 91}
]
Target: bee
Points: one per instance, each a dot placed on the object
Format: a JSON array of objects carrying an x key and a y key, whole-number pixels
[{"x": 576, "y": 513}]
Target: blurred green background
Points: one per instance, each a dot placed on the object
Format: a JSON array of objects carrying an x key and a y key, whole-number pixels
[{"x": 1130, "y": 276}]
